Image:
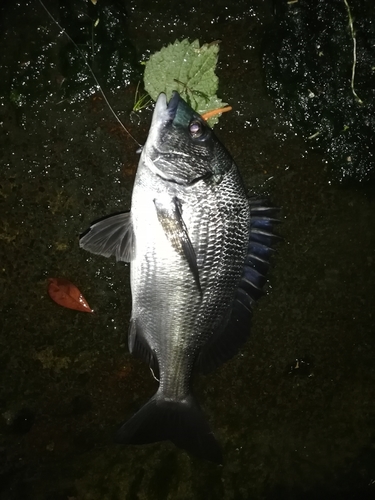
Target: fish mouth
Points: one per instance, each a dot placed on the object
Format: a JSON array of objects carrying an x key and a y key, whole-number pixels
[
  {"x": 153, "y": 151},
  {"x": 163, "y": 115},
  {"x": 164, "y": 112},
  {"x": 173, "y": 105}
]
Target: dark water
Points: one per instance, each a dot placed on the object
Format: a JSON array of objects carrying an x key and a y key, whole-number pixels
[{"x": 295, "y": 411}]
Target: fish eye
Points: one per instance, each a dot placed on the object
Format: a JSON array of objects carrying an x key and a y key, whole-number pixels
[{"x": 196, "y": 129}]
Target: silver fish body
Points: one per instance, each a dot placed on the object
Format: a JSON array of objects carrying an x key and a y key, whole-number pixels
[{"x": 199, "y": 250}]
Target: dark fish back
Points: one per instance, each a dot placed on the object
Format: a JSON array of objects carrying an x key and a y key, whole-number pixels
[{"x": 235, "y": 329}]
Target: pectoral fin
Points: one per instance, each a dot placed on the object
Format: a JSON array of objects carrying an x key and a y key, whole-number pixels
[
  {"x": 170, "y": 218},
  {"x": 110, "y": 236}
]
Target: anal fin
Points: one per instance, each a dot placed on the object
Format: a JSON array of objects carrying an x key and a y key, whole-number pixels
[{"x": 139, "y": 347}]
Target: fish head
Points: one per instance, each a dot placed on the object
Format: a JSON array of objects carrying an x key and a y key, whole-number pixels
[{"x": 181, "y": 147}]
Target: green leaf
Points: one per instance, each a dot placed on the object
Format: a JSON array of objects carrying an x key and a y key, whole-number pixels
[{"x": 189, "y": 69}]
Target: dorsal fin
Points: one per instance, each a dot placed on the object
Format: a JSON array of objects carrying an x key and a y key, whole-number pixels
[{"x": 225, "y": 342}]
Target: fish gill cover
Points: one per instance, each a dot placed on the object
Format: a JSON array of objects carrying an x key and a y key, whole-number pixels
[
  {"x": 320, "y": 69},
  {"x": 189, "y": 69}
]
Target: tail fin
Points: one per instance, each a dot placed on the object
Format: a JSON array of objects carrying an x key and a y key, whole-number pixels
[{"x": 181, "y": 422}]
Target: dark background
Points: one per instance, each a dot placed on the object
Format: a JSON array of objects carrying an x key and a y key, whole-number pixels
[{"x": 295, "y": 411}]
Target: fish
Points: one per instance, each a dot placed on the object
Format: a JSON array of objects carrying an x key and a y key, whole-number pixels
[{"x": 199, "y": 250}]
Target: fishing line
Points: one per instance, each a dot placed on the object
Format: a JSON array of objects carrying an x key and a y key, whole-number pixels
[{"x": 91, "y": 72}]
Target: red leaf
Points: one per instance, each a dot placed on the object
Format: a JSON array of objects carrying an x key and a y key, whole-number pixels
[{"x": 64, "y": 293}]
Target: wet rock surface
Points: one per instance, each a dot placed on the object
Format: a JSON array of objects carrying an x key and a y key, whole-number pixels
[
  {"x": 320, "y": 64},
  {"x": 294, "y": 411}
]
